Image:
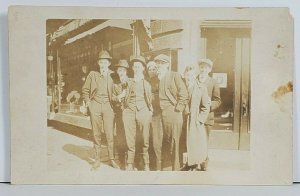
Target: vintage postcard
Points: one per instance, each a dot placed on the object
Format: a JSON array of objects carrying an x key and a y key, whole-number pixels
[{"x": 151, "y": 95}]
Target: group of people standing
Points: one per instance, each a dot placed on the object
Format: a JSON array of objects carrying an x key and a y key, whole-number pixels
[{"x": 154, "y": 108}]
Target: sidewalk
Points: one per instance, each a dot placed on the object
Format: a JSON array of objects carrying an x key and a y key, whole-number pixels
[{"x": 71, "y": 149}]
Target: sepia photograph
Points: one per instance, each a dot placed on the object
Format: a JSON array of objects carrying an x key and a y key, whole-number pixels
[
  {"x": 148, "y": 95},
  {"x": 151, "y": 95}
]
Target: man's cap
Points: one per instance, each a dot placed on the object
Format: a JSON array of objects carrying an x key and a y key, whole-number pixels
[
  {"x": 104, "y": 55},
  {"x": 163, "y": 58},
  {"x": 151, "y": 64},
  {"x": 138, "y": 59},
  {"x": 122, "y": 63},
  {"x": 205, "y": 61}
]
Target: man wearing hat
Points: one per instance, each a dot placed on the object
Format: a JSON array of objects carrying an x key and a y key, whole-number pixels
[
  {"x": 119, "y": 88},
  {"x": 97, "y": 92},
  {"x": 173, "y": 97},
  {"x": 119, "y": 93},
  {"x": 137, "y": 114},
  {"x": 156, "y": 131},
  {"x": 205, "y": 67}
]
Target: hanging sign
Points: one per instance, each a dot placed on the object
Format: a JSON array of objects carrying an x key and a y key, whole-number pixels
[{"x": 221, "y": 78}]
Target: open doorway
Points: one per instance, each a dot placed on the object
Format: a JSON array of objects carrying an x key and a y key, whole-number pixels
[{"x": 229, "y": 48}]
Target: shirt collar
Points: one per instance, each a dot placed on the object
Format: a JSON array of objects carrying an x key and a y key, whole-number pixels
[
  {"x": 202, "y": 79},
  {"x": 161, "y": 76},
  {"x": 138, "y": 78}
]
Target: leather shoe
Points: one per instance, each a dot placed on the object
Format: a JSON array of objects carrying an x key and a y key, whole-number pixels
[
  {"x": 146, "y": 168},
  {"x": 114, "y": 164},
  {"x": 193, "y": 167},
  {"x": 96, "y": 165},
  {"x": 129, "y": 167},
  {"x": 204, "y": 165},
  {"x": 185, "y": 168}
]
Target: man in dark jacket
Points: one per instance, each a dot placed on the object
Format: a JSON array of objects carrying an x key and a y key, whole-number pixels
[
  {"x": 205, "y": 67},
  {"x": 156, "y": 125},
  {"x": 97, "y": 93},
  {"x": 119, "y": 91},
  {"x": 173, "y": 97}
]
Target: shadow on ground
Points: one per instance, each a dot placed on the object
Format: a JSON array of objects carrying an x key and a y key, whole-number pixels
[
  {"x": 71, "y": 129},
  {"x": 86, "y": 153}
]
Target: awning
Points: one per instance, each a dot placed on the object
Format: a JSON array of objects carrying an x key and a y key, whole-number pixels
[
  {"x": 71, "y": 26},
  {"x": 124, "y": 24}
]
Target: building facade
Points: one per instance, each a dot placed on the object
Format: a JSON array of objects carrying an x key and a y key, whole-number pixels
[{"x": 75, "y": 44}]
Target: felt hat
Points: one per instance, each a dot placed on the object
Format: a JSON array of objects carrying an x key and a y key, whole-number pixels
[
  {"x": 104, "y": 55},
  {"x": 162, "y": 58},
  {"x": 206, "y": 62},
  {"x": 122, "y": 63},
  {"x": 138, "y": 59}
]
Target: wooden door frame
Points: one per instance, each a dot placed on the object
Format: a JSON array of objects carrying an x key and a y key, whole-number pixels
[{"x": 236, "y": 139}]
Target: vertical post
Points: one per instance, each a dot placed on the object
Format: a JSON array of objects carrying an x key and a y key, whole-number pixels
[
  {"x": 203, "y": 43},
  {"x": 195, "y": 40},
  {"x": 244, "y": 140},
  {"x": 59, "y": 83},
  {"x": 136, "y": 45},
  {"x": 237, "y": 85},
  {"x": 50, "y": 59},
  {"x": 191, "y": 43}
]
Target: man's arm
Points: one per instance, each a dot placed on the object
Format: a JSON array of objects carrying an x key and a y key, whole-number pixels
[
  {"x": 204, "y": 106},
  {"x": 216, "y": 98},
  {"x": 117, "y": 89},
  {"x": 149, "y": 95},
  {"x": 182, "y": 93},
  {"x": 86, "y": 88}
]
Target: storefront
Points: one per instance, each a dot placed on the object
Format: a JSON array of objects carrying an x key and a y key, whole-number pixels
[
  {"x": 226, "y": 43},
  {"x": 74, "y": 50}
]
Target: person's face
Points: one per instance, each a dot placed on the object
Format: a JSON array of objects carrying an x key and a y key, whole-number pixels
[
  {"x": 84, "y": 69},
  {"x": 204, "y": 69},
  {"x": 103, "y": 65},
  {"x": 163, "y": 67},
  {"x": 189, "y": 75},
  {"x": 152, "y": 71},
  {"x": 122, "y": 72},
  {"x": 138, "y": 68}
]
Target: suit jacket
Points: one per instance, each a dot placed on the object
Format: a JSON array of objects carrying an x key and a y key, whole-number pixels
[
  {"x": 176, "y": 90},
  {"x": 147, "y": 93},
  {"x": 213, "y": 90},
  {"x": 89, "y": 88},
  {"x": 117, "y": 90},
  {"x": 154, "y": 82}
]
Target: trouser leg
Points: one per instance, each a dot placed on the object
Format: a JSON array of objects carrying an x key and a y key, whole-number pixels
[
  {"x": 172, "y": 123},
  {"x": 130, "y": 134},
  {"x": 108, "y": 125},
  {"x": 96, "y": 121},
  {"x": 176, "y": 133},
  {"x": 120, "y": 141},
  {"x": 182, "y": 142},
  {"x": 97, "y": 149},
  {"x": 167, "y": 137},
  {"x": 144, "y": 118},
  {"x": 208, "y": 129},
  {"x": 157, "y": 137}
]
